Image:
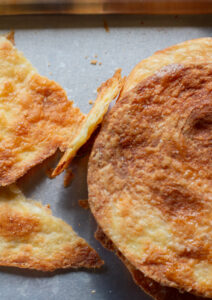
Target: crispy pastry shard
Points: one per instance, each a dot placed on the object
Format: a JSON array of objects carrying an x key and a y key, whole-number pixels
[
  {"x": 30, "y": 237},
  {"x": 36, "y": 117},
  {"x": 107, "y": 92}
]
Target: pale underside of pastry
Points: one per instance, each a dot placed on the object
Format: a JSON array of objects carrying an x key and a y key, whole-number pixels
[
  {"x": 149, "y": 176},
  {"x": 30, "y": 237}
]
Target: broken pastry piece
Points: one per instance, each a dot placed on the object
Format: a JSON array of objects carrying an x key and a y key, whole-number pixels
[
  {"x": 107, "y": 92},
  {"x": 36, "y": 117},
  {"x": 30, "y": 237}
]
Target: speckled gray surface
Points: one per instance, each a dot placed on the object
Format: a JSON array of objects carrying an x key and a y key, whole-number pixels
[{"x": 61, "y": 47}]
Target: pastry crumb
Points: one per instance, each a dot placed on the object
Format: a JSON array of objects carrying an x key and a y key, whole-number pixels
[
  {"x": 106, "y": 27},
  {"x": 68, "y": 176},
  {"x": 90, "y": 101},
  {"x": 83, "y": 203},
  {"x": 49, "y": 173},
  {"x": 100, "y": 63},
  {"x": 93, "y": 62},
  {"x": 11, "y": 36}
]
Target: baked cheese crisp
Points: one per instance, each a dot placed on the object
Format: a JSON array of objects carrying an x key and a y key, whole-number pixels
[{"x": 30, "y": 237}]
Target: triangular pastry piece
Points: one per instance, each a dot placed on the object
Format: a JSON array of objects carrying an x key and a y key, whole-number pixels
[
  {"x": 30, "y": 237},
  {"x": 36, "y": 117}
]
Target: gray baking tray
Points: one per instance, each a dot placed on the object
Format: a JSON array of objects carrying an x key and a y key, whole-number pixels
[{"x": 61, "y": 47}]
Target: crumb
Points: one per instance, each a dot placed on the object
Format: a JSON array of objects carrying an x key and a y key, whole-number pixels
[
  {"x": 48, "y": 206},
  {"x": 93, "y": 62},
  {"x": 49, "y": 172},
  {"x": 100, "y": 63},
  {"x": 11, "y": 36},
  {"x": 83, "y": 203},
  {"x": 93, "y": 291},
  {"x": 68, "y": 176},
  {"x": 90, "y": 101},
  {"x": 106, "y": 26},
  {"x": 95, "y": 55}
]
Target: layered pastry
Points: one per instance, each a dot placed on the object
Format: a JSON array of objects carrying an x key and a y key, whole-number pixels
[{"x": 149, "y": 175}]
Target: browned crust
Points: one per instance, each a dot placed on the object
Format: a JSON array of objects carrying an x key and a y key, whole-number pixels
[
  {"x": 151, "y": 287},
  {"x": 81, "y": 256}
]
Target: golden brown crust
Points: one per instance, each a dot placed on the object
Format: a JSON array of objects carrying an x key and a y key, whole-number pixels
[
  {"x": 192, "y": 51},
  {"x": 150, "y": 177},
  {"x": 36, "y": 117},
  {"x": 150, "y": 286},
  {"x": 30, "y": 237}
]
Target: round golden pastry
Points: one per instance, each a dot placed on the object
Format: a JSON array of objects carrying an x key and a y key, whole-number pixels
[{"x": 150, "y": 178}]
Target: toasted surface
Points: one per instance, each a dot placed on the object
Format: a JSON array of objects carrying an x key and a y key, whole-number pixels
[
  {"x": 149, "y": 177},
  {"x": 192, "y": 51},
  {"x": 150, "y": 286},
  {"x": 107, "y": 92},
  {"x": 30, "y": 237},
  {"x": 36, "y": 117}
]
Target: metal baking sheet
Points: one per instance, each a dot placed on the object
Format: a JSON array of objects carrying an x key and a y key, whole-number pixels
[{"x": 62, "y": 47}]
